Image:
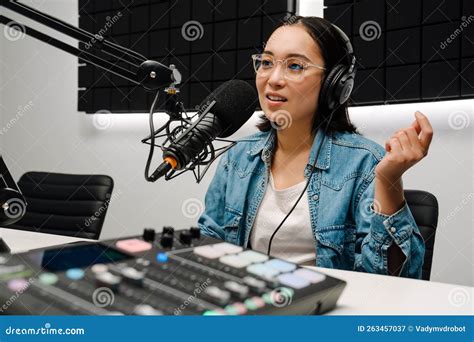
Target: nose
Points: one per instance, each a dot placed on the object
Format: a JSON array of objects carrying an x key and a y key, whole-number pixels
[{"x": 277, "y": 76}]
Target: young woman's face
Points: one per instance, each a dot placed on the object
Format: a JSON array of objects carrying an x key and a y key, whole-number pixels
[{"x": 300, "y": 95}]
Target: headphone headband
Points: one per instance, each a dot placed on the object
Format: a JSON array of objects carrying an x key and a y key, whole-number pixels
[{"x": 350, "y": 51}]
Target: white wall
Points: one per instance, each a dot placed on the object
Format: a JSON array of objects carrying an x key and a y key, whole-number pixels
[
  {"x": 48, "y": 134},
  {"x": 311, "y": 7}
]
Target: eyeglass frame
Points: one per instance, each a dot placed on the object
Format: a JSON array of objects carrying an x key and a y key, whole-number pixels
[{"x": 285, "y": 61}]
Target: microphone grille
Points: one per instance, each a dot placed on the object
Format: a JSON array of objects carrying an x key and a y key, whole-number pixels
[{"x": 236, "y": 101}]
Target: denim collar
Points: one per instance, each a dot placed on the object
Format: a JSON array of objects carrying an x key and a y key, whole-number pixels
[{"x": 266, "y": 144}]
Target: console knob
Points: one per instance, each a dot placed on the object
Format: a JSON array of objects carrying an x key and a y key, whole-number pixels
[
  {"x": 168, "y": 230},
  {"x": 166, "y": 240},
  {"x": 146, "y": 310},
  {"x": 133, "y": 276},
  {"x": 109, "y": 280},
  {"x": 149, "y": 234},
  {"x": 185, "y": 237},
  {"x": 195, "y": 232},
  {"x": 239, "y": 290}
]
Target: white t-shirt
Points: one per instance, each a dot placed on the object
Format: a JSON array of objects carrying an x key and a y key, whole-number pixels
[{"x": 294, "y": 241}]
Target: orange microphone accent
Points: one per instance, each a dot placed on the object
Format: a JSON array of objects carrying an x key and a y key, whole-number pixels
[{"x": 172, "y": 161}]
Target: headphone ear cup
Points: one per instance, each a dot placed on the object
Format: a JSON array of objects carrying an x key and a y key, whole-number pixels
[
  {"x": 328, "y": 94},
  {"x": 344, "y": 88}
]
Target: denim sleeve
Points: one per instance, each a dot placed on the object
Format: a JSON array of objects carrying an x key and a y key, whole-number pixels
[
  {"x": 212, "y": 219},
  {"x": 377, "y": 232}
]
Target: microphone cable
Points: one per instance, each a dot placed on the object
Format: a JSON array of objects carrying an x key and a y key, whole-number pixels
[{"x": 152, "y": 136}]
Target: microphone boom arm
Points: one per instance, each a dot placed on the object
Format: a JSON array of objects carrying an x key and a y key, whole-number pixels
[{"x": 149, "y": 74}]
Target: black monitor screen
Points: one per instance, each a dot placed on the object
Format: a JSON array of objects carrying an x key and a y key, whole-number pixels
[{"x": 60, "y": 259}]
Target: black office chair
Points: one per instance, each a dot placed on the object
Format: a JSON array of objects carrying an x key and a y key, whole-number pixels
[
  {"x": 65, "y": 204},
  {"x": 424, "y": 208}
]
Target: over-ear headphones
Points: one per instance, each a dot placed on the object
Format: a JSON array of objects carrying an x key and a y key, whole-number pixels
[{"x": 339, "y": 82}]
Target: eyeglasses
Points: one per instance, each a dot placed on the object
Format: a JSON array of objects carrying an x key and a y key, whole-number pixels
[{"x": 294, "y": 68}]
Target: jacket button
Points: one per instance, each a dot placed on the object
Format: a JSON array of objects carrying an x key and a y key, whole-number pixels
[
  {"x": 393, "y": 229},
  {"x": 315, "y": 197}
]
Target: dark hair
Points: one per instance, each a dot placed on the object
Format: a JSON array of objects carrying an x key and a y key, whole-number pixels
[{"x": 334, "y": 52}]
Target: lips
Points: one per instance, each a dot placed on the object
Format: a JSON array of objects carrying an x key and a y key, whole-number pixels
[{"x": 276, "y": 98}]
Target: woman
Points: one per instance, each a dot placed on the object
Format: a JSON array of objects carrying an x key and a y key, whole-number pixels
[{"x": 353, "y": 214}]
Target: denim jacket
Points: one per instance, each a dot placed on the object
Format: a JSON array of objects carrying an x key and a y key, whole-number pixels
[{"x": 347, "y": 232}]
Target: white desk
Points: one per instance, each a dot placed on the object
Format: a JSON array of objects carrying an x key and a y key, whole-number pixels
[
  {"x": 373, "y": 294},
  {"x": 365, "y": 294},
  {"x": 21, "y": 240}
]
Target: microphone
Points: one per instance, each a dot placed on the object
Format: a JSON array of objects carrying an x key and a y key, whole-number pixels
[{"x": 222, "y": 113}]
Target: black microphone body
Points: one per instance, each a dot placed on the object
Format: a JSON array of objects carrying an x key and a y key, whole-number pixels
[
  {"x": 189, "y": 144},
  {"x": 223, "y": 112},
  {"x": 194, "y": 140}
]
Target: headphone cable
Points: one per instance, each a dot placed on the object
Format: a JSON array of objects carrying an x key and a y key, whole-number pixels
[{"x": 313, "y": 168}]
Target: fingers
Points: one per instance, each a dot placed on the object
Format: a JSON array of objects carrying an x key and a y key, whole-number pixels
[
  {"x": 417, "y": 152},
  {"x": 416, "y": 126},
  {"x": 412, "y": 136},
  {"x": 393, "y": 145},
  {"x": 406, "y": 145},
  {"x": 426, "y": 134},
  {"x": 412, "y": 143},
  {"x": 403, "y": 139},
  {"x": 406, "y": 148}
]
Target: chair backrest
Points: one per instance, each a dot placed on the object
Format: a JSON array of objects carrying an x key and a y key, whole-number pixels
[
  {"x": 424, "y": 207},
  {"x": 65, "y": 204}
]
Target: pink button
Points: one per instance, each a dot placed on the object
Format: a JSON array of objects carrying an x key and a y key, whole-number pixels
[
  {"x": 18, "y": 284},
  {"x": 259, "y": 302},
  {"x": 241, "y": 308},
  {"x": 133, "y": 245}
]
